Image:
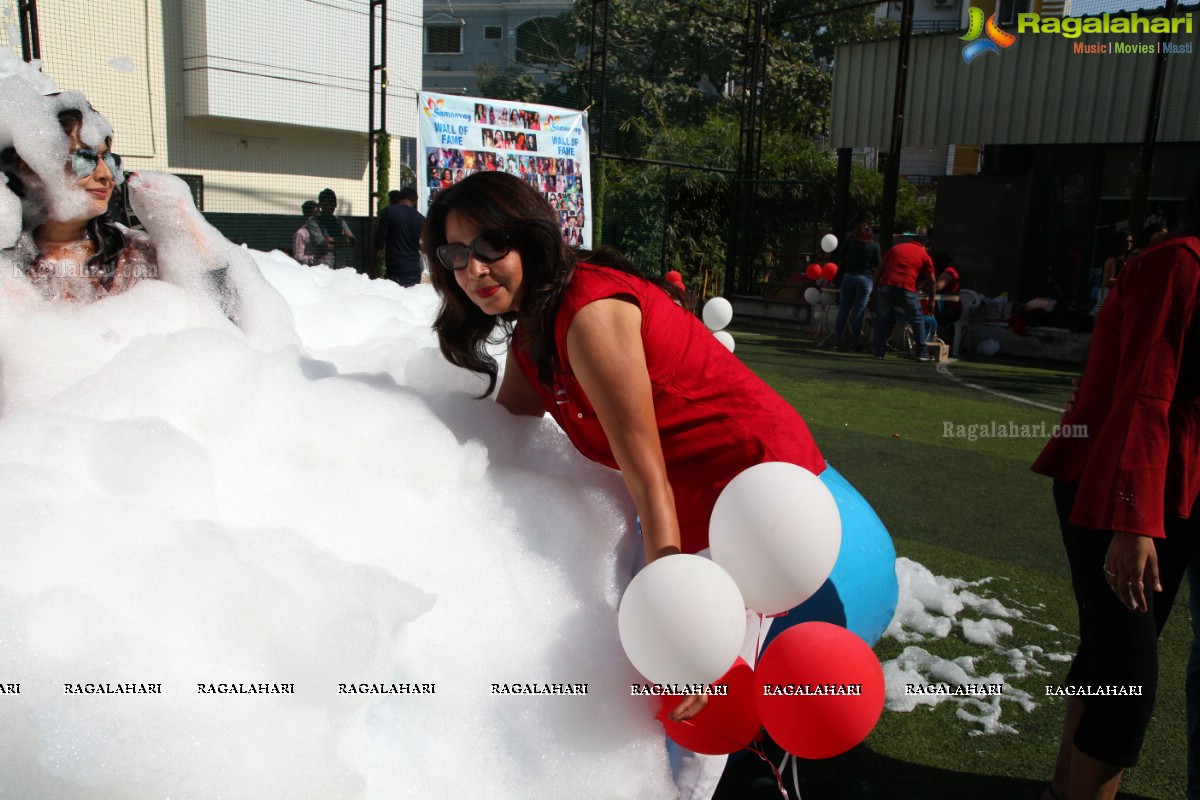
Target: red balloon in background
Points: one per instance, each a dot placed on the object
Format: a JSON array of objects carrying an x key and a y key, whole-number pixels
[
  {"x": 727, "y": 724},
  {"x": 829, "y": 271},
  {"x": 819, "y": 654},
  {"x": 813, "y": 272},
  {"x": 674, "y": 277}
]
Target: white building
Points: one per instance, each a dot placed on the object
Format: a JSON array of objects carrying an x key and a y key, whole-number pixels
[
  {"x": 460, "y": 37},
  {"x": 259, "y": 104}
]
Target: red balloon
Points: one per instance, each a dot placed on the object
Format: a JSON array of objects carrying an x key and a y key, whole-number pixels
[
  {"x": 674, "y": 277},
  {"x": 813, "y": 271},
  {"x": 808, "y": 678},
  {"x": 727, "y": 724},
  {"x": 829, "y": 271}
]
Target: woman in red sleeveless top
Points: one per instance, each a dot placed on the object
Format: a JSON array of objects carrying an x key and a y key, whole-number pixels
[{"x": 635, "y": 380}]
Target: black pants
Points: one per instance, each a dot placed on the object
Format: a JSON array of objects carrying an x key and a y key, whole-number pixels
[
  {"x": 405, "y": 278},
  {"x": 1118, "y": 647}
]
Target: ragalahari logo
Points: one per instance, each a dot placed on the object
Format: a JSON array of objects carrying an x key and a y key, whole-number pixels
[
  {"x": 432, "y": 105},
  {"x": 995, "y": 40}
]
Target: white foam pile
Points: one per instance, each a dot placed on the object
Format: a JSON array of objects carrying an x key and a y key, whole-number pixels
[
  {"x": 182, "y": 502},
  {"x": 929, "y": 608}
]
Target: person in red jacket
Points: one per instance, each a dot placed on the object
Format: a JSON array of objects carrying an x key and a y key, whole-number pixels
[
  {"x": 1126, "y": 497},
  {"x": 636, "y": 381},
  {"x": 903, "y": 265}
]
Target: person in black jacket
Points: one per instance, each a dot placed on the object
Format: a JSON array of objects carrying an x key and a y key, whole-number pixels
[{"x": 399, "y": 235}]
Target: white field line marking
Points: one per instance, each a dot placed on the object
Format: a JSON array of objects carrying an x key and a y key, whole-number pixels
[{"x": 944, "y": 371}]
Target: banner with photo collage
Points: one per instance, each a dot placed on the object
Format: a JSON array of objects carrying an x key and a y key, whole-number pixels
[{"x": 545, "y": 146}]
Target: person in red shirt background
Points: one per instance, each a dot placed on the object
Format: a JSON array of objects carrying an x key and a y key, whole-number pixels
[
  {"x": 903, "y": 265},
  {"x": 1126, "y": 497}
]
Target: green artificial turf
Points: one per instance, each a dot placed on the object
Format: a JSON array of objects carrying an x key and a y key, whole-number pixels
[{"x": 965, "y": 509}]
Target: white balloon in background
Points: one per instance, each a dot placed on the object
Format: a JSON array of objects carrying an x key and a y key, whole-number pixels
[
  {"x": 812, "y": 296},
  {"x": 725, "y": 338},
  {"x": 682, "y": 620},
  {"x": 777, "y": 531},
  {"x": 829, "y": 243},
  {"x": 717, "y": 313}
]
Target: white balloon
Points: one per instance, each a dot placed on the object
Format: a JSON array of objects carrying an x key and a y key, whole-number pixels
[
  {"x": 777, "y": 531},
  {"x": 812, "y": 296},
  {"x": 724, "y": 338},
  {"x": 829, "y": 243},
  {"x": 717, "y": 313},
  {"x": 682, "y": 620}
]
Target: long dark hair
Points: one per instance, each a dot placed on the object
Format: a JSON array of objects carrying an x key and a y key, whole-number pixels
[
  {"x": 107, "y": 239},
  {"x": 499, "y": 201},
  {"x": 496, "y": 201}
]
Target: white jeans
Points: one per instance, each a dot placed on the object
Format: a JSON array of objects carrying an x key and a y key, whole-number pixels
[{"x": 697, "y": 775}]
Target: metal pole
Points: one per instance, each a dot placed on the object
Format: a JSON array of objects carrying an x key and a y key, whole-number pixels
[
  {"x": 31, "y": 46},
  {"x": 371, "y": 126},
  {"x": 662, "y": 259},
  {"x": 375, "y": 131},
  {"x": 891, "y": 178},
  {"x": 1139, "y": 195}
]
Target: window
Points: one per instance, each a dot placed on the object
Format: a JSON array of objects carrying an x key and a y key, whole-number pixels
[
  {"x": 443, "y": 39},
  {"x": 493, "y": 32},
  {"x": 196, "y": 184}
]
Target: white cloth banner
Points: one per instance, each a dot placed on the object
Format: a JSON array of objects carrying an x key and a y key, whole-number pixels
[{"x": 544, "y": 145}]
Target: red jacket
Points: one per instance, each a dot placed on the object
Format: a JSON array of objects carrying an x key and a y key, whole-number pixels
[
  {"x": 904, "y": 264},
  {"x": 1140, "y": 400},
  {"x": 715, "y": 417}
]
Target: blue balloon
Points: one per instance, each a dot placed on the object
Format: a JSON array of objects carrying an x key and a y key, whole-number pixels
[{"x": 861, "y": 592}]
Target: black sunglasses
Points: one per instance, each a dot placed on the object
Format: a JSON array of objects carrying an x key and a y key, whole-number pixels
[
  {"x": 84, "y": 162},
  {"x": 488, "y": 246}
]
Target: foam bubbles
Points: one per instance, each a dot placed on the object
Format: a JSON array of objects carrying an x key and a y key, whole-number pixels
[
  {"x": 317, "y": 501},
  {"x": 928, "y": 609}
]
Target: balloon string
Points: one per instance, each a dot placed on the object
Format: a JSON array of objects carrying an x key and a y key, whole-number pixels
[
  {"x": 795, "y": 778},
  {"x": 778, "y": 778}
]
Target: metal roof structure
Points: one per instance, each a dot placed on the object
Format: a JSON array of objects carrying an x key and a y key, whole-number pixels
[{"x": 1044, "y": 89}]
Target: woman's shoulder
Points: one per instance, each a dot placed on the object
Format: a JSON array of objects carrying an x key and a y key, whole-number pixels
[{"x": 593, "y": 282}]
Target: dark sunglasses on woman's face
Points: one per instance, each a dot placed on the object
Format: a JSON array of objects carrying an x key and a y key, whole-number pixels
[
  {"x": 488, "y": 246},
  {"x": 85, "y": 161}
]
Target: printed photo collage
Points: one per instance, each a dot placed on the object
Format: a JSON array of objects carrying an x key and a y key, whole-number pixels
[{"x": 560, "y": 180}]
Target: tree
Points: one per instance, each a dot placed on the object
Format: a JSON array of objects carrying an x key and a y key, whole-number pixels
[
  {"x": 509, "y": 84},
  {"x": 673, "y": 93}
]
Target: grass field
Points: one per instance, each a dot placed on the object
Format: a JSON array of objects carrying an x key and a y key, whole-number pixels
[{"x": 964, "y": 509}]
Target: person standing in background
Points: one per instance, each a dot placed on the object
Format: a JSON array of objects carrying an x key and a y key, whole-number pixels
[
  {"x": 309, "y": 245},
  {"x": 335, "y": 229},
  {"x": 399, "y": 236},
  {"x": 903, "y": 265},
  {"x": 1126, "y": 495},
  {"x": 860, "y": 259}
]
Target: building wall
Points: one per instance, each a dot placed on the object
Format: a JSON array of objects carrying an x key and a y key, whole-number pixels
[
  {"x": 456, "y": 73},
  {"x": 265, "y": 99}
]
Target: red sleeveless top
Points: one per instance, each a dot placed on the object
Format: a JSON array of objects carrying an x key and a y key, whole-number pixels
[{"x": 715, "y": 417}]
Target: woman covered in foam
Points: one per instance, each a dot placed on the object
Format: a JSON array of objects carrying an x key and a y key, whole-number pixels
[
  {"x": 58, "y": 178},
  {"x": 70, "y": 247}
]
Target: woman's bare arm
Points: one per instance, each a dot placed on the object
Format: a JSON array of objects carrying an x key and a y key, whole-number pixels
[
  {"x": 515, "y": 392},
  {"x": 604, "y": 344}
]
